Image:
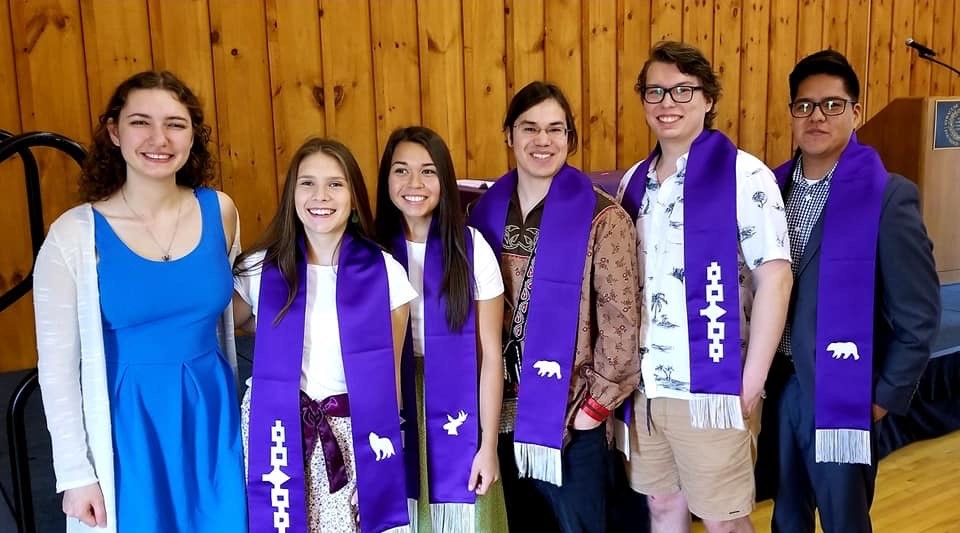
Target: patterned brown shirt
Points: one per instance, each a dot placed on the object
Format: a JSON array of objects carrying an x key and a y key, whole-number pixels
[{"x": 606, "y": 364}]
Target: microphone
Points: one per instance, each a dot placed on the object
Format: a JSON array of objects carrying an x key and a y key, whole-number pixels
[{"x": 924, "y": 51}]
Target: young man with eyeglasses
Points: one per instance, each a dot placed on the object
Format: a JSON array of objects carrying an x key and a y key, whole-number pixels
[
  {"x": 864, "y": 309},
  {"x": 571, "y": 322},
  {"x": 712, "y": 239}
]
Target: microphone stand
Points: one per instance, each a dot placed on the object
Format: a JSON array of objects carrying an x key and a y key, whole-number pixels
[{"x": 929, "y": 57}]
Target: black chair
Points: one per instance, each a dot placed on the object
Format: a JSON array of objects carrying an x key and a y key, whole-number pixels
[{"x": 11, "y": 145}]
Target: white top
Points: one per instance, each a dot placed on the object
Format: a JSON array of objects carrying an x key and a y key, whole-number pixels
[
  {"x": 487, "y": 282},
  {"x": 762, "y": 223},
  {"x": 321, "y": 373},
  {"x": 72, "y": 365}
]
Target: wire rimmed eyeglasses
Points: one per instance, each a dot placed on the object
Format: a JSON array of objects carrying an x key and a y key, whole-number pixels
[
  {"x": 680, "y": 94},
  {"x": 530, "y": 130},
  {"x": 828, "y": 106}
]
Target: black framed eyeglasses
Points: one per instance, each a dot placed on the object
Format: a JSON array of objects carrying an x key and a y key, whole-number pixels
[
  {"x": 680, "y": 94},
  {"x": 829, "y": 106}
]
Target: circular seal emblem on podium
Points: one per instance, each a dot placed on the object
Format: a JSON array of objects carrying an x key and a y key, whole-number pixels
[{"x": 951, "y": 124}]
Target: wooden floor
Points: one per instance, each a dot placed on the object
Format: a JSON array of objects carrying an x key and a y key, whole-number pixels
[{"x": 918, "y": 490}]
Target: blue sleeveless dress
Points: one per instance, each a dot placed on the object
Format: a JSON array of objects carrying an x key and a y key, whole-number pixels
[{"x": 173, "y": 400}]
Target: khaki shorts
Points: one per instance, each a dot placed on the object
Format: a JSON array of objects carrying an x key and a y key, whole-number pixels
[{"x": 713, "y": 467}]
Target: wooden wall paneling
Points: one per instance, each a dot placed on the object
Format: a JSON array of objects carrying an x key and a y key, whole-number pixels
[
  {"x": 442, "y": 76},
  {"x": 9, "y": 97},
  {"x": 943, "y": 43},
  {"x": 666, "y": 21},
  {"x": 955, "y": 84},
  {"x": 598, "y": 127},
  {"x": 783, "y": 39},
  {"x": 900, "y": 54},
  {"x": 116, "y": 45},
  {"x": 923, "y": 33},
  {"x": 755, "y": 88},
  {"x": 810, "y": 28},
  {"x": 727, "y": 52},
  {"x": 878, "y": 76},
  {"x": 52, "y": 86},
  {"x": 395, "y": 65},
  {"x": 52, "y": 89},
  {"x": 698, "y": 25},
  {"x": 296, "y": 79},
  {"x": 16, "y": 323},
  {"x": 181, "y": 38},
  {"x": 858, "y": 43},
  {"x": 835, "y": 26},
  {"x": 485, "y": 87},
  {"x": 565, "y": 52},
  {"x": 633, "y": 45},
  {"x": 244, "y": 111},
  {"x": 525, "y": 43},
  {"x": 348, "y": 87}
]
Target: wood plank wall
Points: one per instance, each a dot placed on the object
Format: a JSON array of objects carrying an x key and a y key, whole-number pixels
[{"x": 272, "y": 72}]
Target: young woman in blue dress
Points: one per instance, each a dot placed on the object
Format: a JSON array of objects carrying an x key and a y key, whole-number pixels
[{"x": 135, "y": 336}]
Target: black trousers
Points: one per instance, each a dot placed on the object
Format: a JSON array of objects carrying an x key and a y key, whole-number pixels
[
  {"x": 578, "y": 506},
  {"x": 842, "y": 493}
]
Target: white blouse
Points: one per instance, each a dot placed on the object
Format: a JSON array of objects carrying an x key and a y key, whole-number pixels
[
  {"x": 321, "y": 372},
  {"x": 487, "y": 281}
]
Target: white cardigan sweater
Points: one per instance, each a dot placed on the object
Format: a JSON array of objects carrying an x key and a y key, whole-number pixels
[{"x": 72, "y": 364}]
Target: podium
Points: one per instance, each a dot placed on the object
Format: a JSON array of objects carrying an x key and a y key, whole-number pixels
[{"x": 919, "y": 137}]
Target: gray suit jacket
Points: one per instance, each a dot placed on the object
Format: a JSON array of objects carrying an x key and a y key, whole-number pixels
[{"x": 906, "y": 306}]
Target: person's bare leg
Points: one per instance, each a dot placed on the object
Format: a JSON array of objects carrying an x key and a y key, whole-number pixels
[{"x": 669, "y": 513}]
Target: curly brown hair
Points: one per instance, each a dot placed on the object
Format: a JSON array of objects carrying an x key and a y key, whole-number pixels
[{"x": 104, "y": 170}]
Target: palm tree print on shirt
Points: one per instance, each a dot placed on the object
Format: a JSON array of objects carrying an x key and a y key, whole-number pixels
[{"x": 656, "y": 304}]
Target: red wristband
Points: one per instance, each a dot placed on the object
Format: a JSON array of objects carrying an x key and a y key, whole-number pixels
[{"x": 594, "y": 410}]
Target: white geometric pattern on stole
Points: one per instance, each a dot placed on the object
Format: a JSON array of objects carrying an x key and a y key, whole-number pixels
[
  {"x": 713, "y": 311},
  {"x": 279, "y": 497}
]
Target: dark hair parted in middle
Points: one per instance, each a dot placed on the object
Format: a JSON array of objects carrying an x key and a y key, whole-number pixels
[
  {"x": 280, "y": 239},
  {"x": 532, "y": 94},
  {"x": 829, "y": 62},
  {"x": 448, "y": 215},
  {"x": 691, "y": 61}
]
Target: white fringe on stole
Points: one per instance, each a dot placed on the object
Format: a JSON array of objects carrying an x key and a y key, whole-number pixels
[
  {"x": 621, "y": 434},
  {"x": 400, "y": 529},
  {"x": 716, "y": 411},
  {"x": 843, "y": 446},
  {"x": 414, "y": 513},
  {"x": 538, "y": 462},
  {"x": 453, "y": 517}
]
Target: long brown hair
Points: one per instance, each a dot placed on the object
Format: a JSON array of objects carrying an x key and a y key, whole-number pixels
[
  {"x": 104, "y": 170},
  {"x": 456, "y": 284},
  {"x": 282, "y": 236}
]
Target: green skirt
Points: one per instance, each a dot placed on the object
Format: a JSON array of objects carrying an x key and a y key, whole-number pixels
[{"x": 491, "y": 512}]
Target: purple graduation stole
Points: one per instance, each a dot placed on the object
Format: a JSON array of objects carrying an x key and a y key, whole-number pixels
[
  {"x": 275, "y": 484},
  {"x": 552, "y": 322},
  {"x": 712, "y": 275},
  {"x": 845, "y": 304},
  {"x": 451, "y": 401}
]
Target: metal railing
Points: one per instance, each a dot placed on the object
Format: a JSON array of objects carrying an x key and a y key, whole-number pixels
[{"x": 21, "y": 145}]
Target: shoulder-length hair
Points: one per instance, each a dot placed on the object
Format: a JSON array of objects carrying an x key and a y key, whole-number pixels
[
  {"x": 281, "y": 239},
  {"x": 450, "y": 219},
  {"x": 104, "y": 170}
]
